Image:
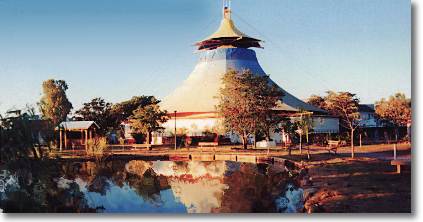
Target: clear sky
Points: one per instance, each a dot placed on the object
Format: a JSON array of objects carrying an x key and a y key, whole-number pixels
[{"x": 118, "y": 49}]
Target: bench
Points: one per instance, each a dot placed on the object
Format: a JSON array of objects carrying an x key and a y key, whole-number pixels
[
  {"x": 207, "y": 144},
  {"x": 333, "y": 146},
  {"x": 400, "y": 163}
]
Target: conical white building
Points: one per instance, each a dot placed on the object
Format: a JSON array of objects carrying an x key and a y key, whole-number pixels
[{"x": 195, "y": 100}]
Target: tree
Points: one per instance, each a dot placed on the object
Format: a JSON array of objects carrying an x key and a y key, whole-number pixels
[
  {"x": 246, "y": 101},
  {"x": 16, "y": 137},
  {"x": 148, "y": 119},
  {"x": 290, "y": 127},
  {"x": 304, "y": 126},
  {"x": 317, "y": 101},
  {"x": 396, "y": 110},
  {"x": 270, "y": 122},
  {"x": 123, "y": 110},
  {"x": 54, "y": 104},
  {"x": 344, "y": 105},
  {"x": 98, "y": 111}
]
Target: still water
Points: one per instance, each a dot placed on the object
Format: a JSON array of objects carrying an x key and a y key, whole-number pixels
[{"x": 140, "y": 186}]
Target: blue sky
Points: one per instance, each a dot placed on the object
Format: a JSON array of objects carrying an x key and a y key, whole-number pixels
[{"x": 118, "y": 49}]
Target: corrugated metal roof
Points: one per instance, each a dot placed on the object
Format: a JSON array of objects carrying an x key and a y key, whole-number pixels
[{"x": 77, "y": 125}]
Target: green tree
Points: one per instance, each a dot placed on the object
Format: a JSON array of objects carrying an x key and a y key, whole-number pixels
[
  {"x": 290, "y": 127},
  {"x": 345, "y": 106},
  {"x": 270, "y": 122},
  {"x": 99, "y": 111},
  {"x": 317, "y": 101},
  {"x": 148, "y": 119},
  {"x": 16, "y": 137},
  {"x": 396, "y": 110},
  {"x": 54, "y": 104},
  {"x": 123, "y": 110},
  {"x": 245, "y": 102},
  {"x": 304, "y": 125}
]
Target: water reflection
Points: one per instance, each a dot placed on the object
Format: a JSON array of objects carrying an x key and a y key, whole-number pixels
[{"x": 144, "y": 186}]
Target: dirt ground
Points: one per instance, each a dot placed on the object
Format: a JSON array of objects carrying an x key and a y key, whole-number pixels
[{"x": 365, "y": 184}]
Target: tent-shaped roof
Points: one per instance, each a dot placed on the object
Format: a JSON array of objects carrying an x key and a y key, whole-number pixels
[
  {"x": 77, "y": 125},
  {"x": 227, "y": 29},
  {"x": 228, "y": 35},
  {"x": 198, "y": 93}
]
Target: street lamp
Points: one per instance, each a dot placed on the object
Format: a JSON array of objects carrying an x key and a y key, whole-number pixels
[{"x": 175, "y": 127}]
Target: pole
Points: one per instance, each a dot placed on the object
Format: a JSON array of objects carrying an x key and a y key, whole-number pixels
[
  {"x": 60, "y": 140},
  {"x": 175, "y": 127},
  {"x": 301, "y": 134},
  {"x": 66, "y": 140},
  {"x": 301, "y": 143},
  {"x": 86, "y": 140},
  {"x": 395, "y": 144}
]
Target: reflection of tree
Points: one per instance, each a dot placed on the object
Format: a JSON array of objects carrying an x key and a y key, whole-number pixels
[
  {"x": 147, "y": 185},
  {"x": 69, "y": 200},
  {"x": 38, "y": 191},
  {"x": 100, "y": 176},
  {"x": 62, "y": 186},
  {"x": 248, "y": 191},
  {"x": 137, "y": 167}
]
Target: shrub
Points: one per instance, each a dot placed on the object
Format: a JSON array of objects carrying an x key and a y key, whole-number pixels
[{"x": 96, "y": 146}]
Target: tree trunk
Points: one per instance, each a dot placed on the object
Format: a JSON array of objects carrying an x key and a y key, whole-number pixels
[
  {"x": 396, "y": 134},
  {"x": 40, "y": 151},
  {"x": 34, "y": 151},
  {"x": 301, "y": 143},
  {"x": 147, "y": 140},
  {"x": 352, "y": 143},
  {"x": 244, "y": 141},
  {"x": 395, "y": 143},
  {"x": 308, "y": 152},
  {"x": 268, "y": 135}
]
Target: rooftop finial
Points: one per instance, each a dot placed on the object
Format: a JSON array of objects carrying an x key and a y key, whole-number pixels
[{"x": 227, "y": 9}]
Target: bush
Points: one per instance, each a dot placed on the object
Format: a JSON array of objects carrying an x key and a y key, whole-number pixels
[{"x": 96, "y": 146}]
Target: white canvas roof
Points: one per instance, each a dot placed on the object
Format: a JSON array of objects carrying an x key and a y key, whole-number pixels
[
  {"x": 198, "y": 92},
  {"x": 77, "y": 125}
]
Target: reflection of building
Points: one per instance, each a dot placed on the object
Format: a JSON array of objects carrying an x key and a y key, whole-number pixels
[
  {"x": 226, "y": 49},
  {"x": 198, "y": 185}
]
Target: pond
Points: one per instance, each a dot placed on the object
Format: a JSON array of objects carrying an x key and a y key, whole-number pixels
[{"x": 141, "y": 186}]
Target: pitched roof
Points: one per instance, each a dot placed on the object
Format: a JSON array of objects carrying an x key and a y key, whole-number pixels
[
  {"x": 77, "y": 125},
  {"x": 366, "y": 108}
]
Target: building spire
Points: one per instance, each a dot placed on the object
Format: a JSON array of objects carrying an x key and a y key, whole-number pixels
[{"x": 227, "y": 9}]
